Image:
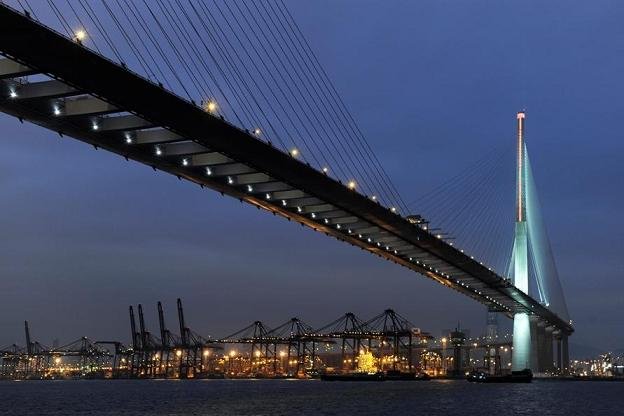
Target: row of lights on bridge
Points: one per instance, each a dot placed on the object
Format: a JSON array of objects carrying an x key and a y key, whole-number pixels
[{"x": 209, "y": 106}]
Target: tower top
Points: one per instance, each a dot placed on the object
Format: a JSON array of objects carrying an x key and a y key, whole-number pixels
[{"x": 521, "y": 115}]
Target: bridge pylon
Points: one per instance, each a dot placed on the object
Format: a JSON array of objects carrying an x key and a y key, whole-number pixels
[{"x": 522, "y": 351}]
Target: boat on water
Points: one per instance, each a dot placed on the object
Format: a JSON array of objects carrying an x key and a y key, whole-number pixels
[
  {"x": 522, "y": 376},
  {"x": 393, "y": 375},
  {"x": 353, "y": 377}
]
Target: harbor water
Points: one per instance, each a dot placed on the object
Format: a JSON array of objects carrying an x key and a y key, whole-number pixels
[{"x": 307, "y": 397}]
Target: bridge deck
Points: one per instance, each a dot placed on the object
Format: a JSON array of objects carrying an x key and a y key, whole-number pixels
[{"x": 57, "y": 83}]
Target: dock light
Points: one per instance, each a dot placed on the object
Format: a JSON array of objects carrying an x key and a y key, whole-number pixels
[
  {"x": 185, "y": 162},
  {"x": 95, "y": 126},
  {"x": 158, "y": 151},
  {"x": 313, "y": 215},
  {"x": 338, "y": 226},
  {"x": 326, "y": 220},
  {"x": 267, "y": 196},
  {"x": 299, "y": 209},
  {"x": 128, "y": 138},
  {"x": 211, "y": 106},
  {"x": 294, "y": 152},
  {"x": 249, "y": 188},
  {"x": 230, "y": 180},
  {"x": 351, "y": 185},
  {"x": 283, "y": 202},
  {"x": 257, "y": 131},
  {"x": 208, "y": 171},
  {"x": 80, "y": 35},
  {"x": 57, "y": 110},
  {"x": 13, "y": 94}
]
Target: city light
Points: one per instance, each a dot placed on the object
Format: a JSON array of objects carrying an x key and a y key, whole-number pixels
[
  {"x": 351, "y": 184},
  {"x": 294, "y": 152},
  {"x": 257, "y": 132}
]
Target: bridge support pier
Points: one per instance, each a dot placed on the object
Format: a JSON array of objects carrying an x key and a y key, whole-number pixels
[
  {"x": 549, "y": 348},
  {"x": 521, "y": 356},
  {"x": 542, "y": 350},
  {"x": 535, "y": 347},
  {"x": 563, "y": 355},
  {"x": 559, "y": 354}
]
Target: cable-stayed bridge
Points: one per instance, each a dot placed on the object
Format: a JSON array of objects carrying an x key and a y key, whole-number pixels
[{"x": 240, "y": 118}]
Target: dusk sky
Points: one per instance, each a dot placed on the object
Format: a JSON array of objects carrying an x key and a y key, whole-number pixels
[{"x": 434, "y": 85}]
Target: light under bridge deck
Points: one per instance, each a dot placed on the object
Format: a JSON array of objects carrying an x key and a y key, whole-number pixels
[{"x": 52, "y": 81}]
